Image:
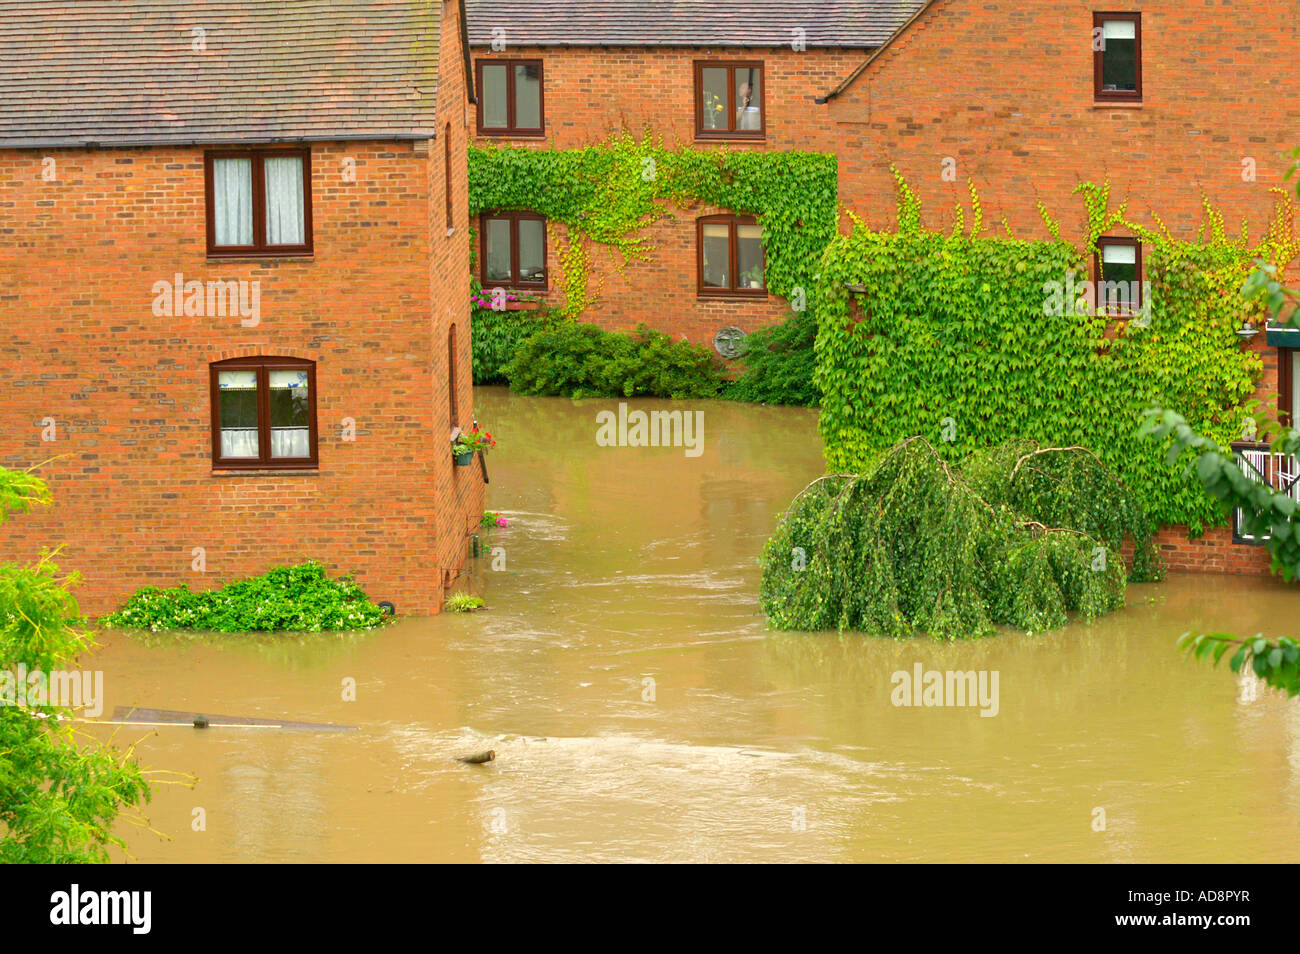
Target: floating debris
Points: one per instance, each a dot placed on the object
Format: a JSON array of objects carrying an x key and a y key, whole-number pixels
[{"x": 135, "y": 715}]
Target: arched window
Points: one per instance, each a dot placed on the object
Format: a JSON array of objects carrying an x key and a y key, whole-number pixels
[
  {"x": 452, "y": 396},
  {"x": 446, "y": 172},
  {"x": 263, "y": 413}
]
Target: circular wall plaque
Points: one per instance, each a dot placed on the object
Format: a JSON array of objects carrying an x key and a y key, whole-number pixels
[{"x": 729, "y": 342}]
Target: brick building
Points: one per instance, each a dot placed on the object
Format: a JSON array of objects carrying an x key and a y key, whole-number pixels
[
  {"x": 1183, "y": 102},
  {"x": 234, "y": 286}
]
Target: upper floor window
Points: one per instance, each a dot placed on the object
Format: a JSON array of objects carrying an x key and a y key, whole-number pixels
[
  {"x": 1118, "y": 268},
  {"x": 510, "y": 97},
  {"x": 259, "y": 202},
  {"x": 1117, "y": 56},
  {"x": 729, "y": 100},
  {"x": 730, "y": 256},
  {"x": 263, "y": 413},
  {"x": 513, "y": 250}
]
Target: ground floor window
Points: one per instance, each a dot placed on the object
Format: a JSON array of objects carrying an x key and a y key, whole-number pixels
[
  {"x": 1288, "y": 389},
  {"x": 513, "y": 250},
  {"x": 730, "y": 256},
  {"x": 263, "y": 413},
  {"x": 1117, "y": 272}
]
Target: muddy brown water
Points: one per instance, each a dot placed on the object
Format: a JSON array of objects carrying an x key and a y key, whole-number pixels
[{"x": 641, "y": 710}]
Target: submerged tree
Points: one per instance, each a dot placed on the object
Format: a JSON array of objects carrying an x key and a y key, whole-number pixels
[
  {"x": 59, "y": 796},
  {"x": 1020, "y": 535}
]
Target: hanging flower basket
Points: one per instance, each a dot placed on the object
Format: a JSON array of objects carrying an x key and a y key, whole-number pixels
[{"x": 467, "y": 443}]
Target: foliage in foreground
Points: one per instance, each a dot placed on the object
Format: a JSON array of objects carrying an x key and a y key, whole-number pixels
[
  {"x": 1275, "y": 662},
  {"x": 578, "y": 360},
  {"x": 1265, "y": 512},
  {"x": 60, "y": 791},
  {"x": 1019, "y": 537},
  {"x": 295, "y": 598}
]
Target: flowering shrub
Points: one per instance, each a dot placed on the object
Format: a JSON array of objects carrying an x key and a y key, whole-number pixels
[
  {"x": 298, "y": 598},
  {"x": 491, "y": 519}
]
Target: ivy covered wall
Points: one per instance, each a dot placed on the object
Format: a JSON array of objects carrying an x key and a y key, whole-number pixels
[
  {"x": 952, "y": 336},
  {"x": 608, "y": 195}
]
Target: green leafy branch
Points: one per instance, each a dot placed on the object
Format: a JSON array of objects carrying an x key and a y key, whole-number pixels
[{"x": 1277, "y": 662}]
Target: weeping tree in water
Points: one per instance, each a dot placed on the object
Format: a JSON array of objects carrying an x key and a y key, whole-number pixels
[{"x": 1020, "y": 535}]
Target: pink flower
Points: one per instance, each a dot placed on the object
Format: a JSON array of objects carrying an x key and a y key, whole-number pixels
[{"x": 502, "y": 522}]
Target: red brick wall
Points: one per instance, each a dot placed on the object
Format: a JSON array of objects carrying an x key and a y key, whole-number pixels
[
  {"x": 459, "y": 490},
  {"x": 1002, "y": 88},
  {"x": 592, "y": 94},
  {"x": 133, "y": 482},
  {"x": 1006, "y": 90}
]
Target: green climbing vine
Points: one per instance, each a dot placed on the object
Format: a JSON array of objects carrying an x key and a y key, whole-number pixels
[
  {"x": 972, "y": 339},
  {"x": 607, "y": 196}
]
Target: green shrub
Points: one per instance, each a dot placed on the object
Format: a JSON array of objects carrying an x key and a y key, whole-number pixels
[
  {"x": 580, "y": 360},
  {"x": 498, "y": 334},
  {"x": 1020, "y": 536},
  {"x": 297, "y": 598},
  {"x": 462, "y": 603},
  {"x": 779, "y": 365}
]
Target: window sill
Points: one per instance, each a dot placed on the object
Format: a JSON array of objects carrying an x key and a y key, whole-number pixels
[
  {"x": 525, "y": 289},
  {"x": 274, "y": 257},
  {"x": 730, "y": 139},
  {"x": 1117, "y": 104},
  {"x": 732, "y": 296},
  {"x": 511, "y": 135},
  {"x": 266, "y": 472}
]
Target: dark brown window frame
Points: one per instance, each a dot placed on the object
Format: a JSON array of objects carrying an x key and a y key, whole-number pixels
[
  {"x": 510, "y": 130},
  {"x": 263, "y": 365},
  {"x": 733, "y": 261},
  {"x": 259, "y": 248},
  {"x": 731, "y": 66},
  {"x": 1118, "y": 96},
  {"x": 1097, "y": 273},
  {"x": 1285, "y": 362},
  {"x": 515, "y": 218}
]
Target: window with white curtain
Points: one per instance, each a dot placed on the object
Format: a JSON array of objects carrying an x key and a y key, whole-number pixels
[
  {"x": 263, "y": 413},
  {"x": 259, "y": 202},
  {"x": 232, "y": 192}
]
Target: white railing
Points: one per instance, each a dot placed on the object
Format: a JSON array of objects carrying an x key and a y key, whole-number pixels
[{"x": 1279, "y": 471}]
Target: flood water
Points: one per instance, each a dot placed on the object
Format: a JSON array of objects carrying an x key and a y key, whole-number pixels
[{"x": 641, "y": 710}]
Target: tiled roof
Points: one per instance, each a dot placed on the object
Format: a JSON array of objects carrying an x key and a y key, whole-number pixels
[
  {"x": 128, "y": 72},
  {"x": 704, "y": 23}
]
